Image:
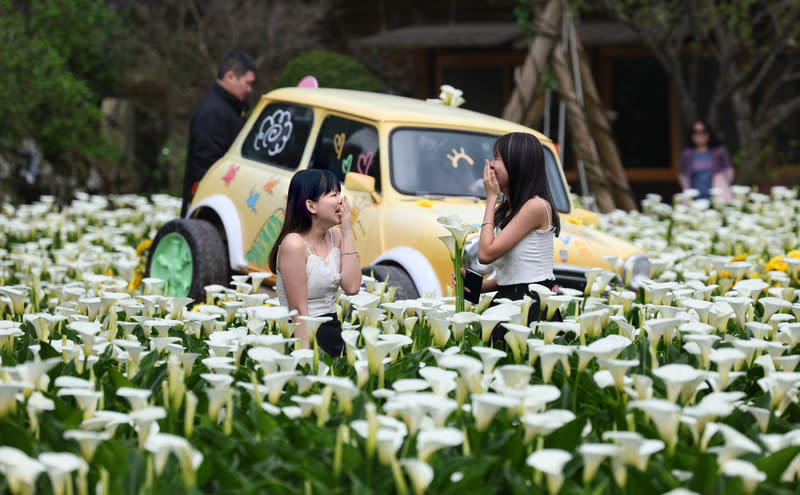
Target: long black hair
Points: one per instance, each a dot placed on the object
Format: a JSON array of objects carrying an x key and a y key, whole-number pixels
[
  {"x": 523, "y": 157},
  {"x": 306, "y": 184}
]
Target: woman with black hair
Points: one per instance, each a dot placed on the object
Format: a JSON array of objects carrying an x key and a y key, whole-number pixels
[
  {"x": 705, "y": 163},
  {"x": 312, "y": 259},
  {"x": 516, "y": 235}
]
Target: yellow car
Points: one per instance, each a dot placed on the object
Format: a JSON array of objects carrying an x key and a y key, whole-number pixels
[{"x": 402, "y": 163}]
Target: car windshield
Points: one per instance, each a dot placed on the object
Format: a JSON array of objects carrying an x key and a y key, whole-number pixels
[{"x": 441, "y": 162}]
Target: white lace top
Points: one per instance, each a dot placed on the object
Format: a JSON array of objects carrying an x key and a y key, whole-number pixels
[
  {"x": 531, "y": 260},
  {"x": 322, "y": 277}
]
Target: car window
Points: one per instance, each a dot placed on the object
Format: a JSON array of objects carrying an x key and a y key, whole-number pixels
[
  {"x": 279, "y": 135},
  {"x": 344, "y": 145},
  {"x": 443, "y": 162},
  {"x": 557, "y": 189}
]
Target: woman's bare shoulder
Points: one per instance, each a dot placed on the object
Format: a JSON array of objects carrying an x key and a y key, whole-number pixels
[
  {"x": 535, "y": 210},
  {"x": 292, "y": 242},
  {"x": 535, "y": 205}
]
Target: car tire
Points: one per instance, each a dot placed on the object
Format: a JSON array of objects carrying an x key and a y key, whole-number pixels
[
  {"x": 397, "y": 277},
  {"x": 188, "y": 254}
]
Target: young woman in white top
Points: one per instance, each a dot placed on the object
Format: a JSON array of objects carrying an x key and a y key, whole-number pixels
[
  {"x": 312, "y": 259},
  {"x": 516, "y": 236}
]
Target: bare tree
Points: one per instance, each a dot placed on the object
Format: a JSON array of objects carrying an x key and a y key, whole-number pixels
[
  {"x": 178, "y": 44},
  {"x": 751, "y": 48},
  {"x": 593, "y": 141}
]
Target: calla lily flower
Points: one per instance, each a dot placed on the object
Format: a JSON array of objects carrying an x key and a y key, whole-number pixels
[
  {"x": 459, "y": 232},
  {"x": 8, "y": 397},
  {"x": 486, "y": 405},
  {"x": 19, "y": 470},
  {"x": 429, "y": 441},
  {"x": 460, "y": 321},
  {"x": 144, "y": 419},
  {"x": 735, "y": 443},
  {"x": 469, "y": 374},
  {"x": 35, "y": 404},
  {"x": 344, "y": 389},
  {"x": 59, "y": 466},
  {"x": 450, "y": 243},
  {"x": 163, "y": 444},
  {"x": 617, "y": 368},
  {"x": 635, "y": 450},
  {"x": 703, "y": 344},
  {"x": 457, "y": 228},
  {"x": 441, "y": 381},
  {"x": 419, "y": 472},
  {"x": 515, "y": 376},
  {"x": 87, "y": 399},
  {"x": 741, "y": 307},
  {"x": 665, "y": 415},
  {"x": 551, "y": 462},
  {"x": 551, "y": 329},
  {"x": 108, "y": 420},
  {"x": 681, "y": 381},
  {"x": 782, "y": 387},
  {"x": 726, "y": 358},
  {"x": 87, "y": 440},
  {"x": 749, "y": 474},
  {"x": 549, "y": 355},
  {"x": 18, "y": 297},
  {"x": 544, "y": 423},
  {"x": 440, "y": 327},
  {"x": 88, "y": 331},
  {"x": 591, "y": 274},
  {"x": 593, "y": 454},
  {"x": 406, "y": 385},
  {"x": 489, "y": 356},
  {"x": 275, "y": 382},
  {"x": 517, "y": 339}
]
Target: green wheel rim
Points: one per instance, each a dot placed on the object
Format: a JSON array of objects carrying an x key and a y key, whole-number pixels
[{"x": 172, "y": 263}]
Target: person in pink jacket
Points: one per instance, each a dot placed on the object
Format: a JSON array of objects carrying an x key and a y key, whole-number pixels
[{"x": 705, "y": 164}]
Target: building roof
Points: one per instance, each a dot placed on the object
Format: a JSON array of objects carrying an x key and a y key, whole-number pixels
[
  {"x": 445, "y": 35},
  {"x": 489, "y": 35}
]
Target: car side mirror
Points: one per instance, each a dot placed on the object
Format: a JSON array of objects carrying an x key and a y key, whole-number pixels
[{"x": 356, "y": 182}]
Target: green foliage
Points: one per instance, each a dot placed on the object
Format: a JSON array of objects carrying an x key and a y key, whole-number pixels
[
  {"x": 523, "y": 14},
  {"x": 332, "y": 70},
  {"x": 56, "y": 62}
]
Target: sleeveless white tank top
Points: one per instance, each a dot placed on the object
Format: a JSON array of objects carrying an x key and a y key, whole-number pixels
[
  {"x": 322, "y": 278},
  {"x": 531, "y": 260}
]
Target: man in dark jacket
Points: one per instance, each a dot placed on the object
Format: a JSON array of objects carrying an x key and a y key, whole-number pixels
[{"x": 218, "y": 119}]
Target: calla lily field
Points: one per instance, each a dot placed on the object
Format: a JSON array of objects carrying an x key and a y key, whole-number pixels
[{"x": 688, "y": 384}]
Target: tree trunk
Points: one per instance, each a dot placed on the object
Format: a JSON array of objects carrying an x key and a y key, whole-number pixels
[
  {"x": 584, "y": 144},
  {"x": 535, "y": 111},
  {"x": 600, "y": 129},
  {"x": 528, "y": 76},
  {"x": 748, "y": 146}
]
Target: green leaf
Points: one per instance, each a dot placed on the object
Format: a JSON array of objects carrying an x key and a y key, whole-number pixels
[
  {"x": 705, "y": 474},
  {"x": 776, "y": 463}
]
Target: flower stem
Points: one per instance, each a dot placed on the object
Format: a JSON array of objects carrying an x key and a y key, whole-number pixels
[
  {"x": 400, "y": 482},
  {"x": 457, "y": 262}
]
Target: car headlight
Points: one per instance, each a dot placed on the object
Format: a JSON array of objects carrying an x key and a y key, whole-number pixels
[{"x": 635, "y": 270}]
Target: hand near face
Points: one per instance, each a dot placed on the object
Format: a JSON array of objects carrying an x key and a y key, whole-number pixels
[
  {"x": 344, "y": 210},
  {"x": 490, "y": 183}
]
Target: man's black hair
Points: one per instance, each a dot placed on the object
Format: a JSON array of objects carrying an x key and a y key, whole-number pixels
[{"x": 237, "y": 61}]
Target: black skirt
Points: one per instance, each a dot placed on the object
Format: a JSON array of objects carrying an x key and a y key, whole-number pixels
[{"x": 329, "y": 336}]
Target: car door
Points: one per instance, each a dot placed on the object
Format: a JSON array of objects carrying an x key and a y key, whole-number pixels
[
  {"x": 348, "y": 145},
  {"x": 273, "y": 149}
]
